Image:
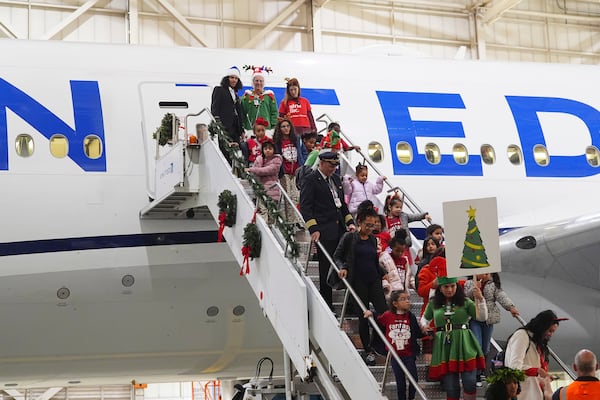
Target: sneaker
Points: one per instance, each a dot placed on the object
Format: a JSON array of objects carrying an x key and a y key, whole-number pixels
[{"x": 370, "y": 359}]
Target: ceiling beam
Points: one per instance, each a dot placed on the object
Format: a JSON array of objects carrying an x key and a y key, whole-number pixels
[
  {"x": 319, "y": 3},
  {"x": 133, "y": 34},
  {"x": 15, "y": 394},
  {"x": 494, "y": 13},
  {"x": 8, "y": 31},
  {"x": 71, "y": 18},
  {"x": 49, "y": 393},
  {"x": 182, "y": 20},
  {"x": 276, "y": 21}
]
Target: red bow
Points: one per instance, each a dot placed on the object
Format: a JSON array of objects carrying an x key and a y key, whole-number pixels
[
  {"x": 222, "y": 217},
  {"x": 246, "y": 263}
]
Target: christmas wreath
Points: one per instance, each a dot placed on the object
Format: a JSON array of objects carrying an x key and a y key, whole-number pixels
[
  {"x": 227, "y": 211},
  {"x": 252, "y": 245},
  {"x": 164, "y": 132}
]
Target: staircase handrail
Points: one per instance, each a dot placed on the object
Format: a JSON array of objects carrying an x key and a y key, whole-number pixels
[
  {"x": 556, "y": 358},
  {"x": 406, "y": 199},
  {"x": 363, "y": 308}
]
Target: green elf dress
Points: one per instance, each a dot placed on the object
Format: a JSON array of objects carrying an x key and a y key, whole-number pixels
[
  {"x": 259, "y": 105},
  {"x": 455, "y": 348}
]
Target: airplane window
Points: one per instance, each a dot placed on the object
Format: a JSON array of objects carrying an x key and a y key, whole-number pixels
[
  {"x": 540, "y": 154},
  {"x": 92, "y": 146},
  {"x": 375, "y": 151},
  {"x": 515, "y": 156},
  {"x": 592, "y": 156},
  {"x": 526, "y": 243},
  {"x": 459, "y": 151},
  {"x": 59, "y": 146},
  {"x": 432, "y": 153},
  {"x": 404, "y": 152},
  {"x": 24, "y": 145},
  {"x": 488, "y": 154}
]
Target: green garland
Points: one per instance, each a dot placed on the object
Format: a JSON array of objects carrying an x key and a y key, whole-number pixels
[
  {"x": 164, "y": 132},
  {"x": 252, "y": 240},
  {"x": 217, "y": 130},
  {"x": 228, "y": 204}
]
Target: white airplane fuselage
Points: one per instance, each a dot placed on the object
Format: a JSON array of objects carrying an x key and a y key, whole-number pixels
[{"x": 73, "y": 222}]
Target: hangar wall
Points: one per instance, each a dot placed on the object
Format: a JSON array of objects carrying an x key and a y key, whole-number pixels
[{"x": 565, "y": 31}]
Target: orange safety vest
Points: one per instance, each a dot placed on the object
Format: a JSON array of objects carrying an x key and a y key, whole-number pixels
[{"x": 581, "y": 390}]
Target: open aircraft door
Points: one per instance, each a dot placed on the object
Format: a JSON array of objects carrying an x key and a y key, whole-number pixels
[{"x": 180, "y": 99}]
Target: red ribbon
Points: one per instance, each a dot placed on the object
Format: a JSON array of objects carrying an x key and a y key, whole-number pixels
[
  {"x": 246, "y": 263},
  {"x": 222, "y": 217}
]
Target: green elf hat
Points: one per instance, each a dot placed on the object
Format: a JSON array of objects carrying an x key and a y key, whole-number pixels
[{"x": 444, "y": 280}]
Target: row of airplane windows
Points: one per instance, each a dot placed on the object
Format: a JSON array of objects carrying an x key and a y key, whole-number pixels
[
  {"x": 92, "y": 147},
  {"x": 405, "y": 154},
  {"x": 59, "y": 146}
]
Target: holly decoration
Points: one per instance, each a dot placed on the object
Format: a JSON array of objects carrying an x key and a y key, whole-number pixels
[
  {"x": 217, "y": 130},
  {"x": 227, "y": 211},
  {"x": 474, "y": 255},
  {"x": 506, "y": 375}
]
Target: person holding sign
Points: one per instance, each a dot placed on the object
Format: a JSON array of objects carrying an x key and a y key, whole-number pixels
[{"x": 456, "y": 352}]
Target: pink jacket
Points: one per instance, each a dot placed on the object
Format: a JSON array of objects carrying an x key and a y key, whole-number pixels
[
  {"x": 267, "y": 172},
  {"x": 357, "y": 192}
]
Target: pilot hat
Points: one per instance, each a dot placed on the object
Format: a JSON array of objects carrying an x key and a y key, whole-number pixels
[
  {"x": 233, "y": 71},
  {"x": 330, "y": 156}
]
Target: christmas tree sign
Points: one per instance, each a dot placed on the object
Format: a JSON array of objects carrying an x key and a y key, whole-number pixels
[
  {"x": 473, "y": 255},
  {"x": 472, "y": 239}
]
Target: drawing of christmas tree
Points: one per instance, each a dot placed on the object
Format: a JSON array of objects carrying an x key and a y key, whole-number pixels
[{"x": 473, "y": 255}]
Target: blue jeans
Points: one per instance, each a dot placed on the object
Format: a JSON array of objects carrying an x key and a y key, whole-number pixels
[
  {"x": 411, "y": 365},
  {"x": 483, "y": 333},
  {"x": 452, "y": 385}
]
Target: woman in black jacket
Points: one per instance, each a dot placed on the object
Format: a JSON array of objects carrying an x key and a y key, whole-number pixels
[
  {"x": 356, "y": 257},
  {"x": 226, "y": 104}
]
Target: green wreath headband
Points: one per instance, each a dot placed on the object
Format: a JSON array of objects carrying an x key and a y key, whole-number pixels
[{"x": 504, "y": 375}]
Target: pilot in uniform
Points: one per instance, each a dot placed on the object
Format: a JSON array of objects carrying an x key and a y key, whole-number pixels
[{"x": 326, "y": 214}]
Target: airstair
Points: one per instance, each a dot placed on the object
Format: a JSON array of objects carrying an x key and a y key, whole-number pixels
[{"x": 190, "y": 179}]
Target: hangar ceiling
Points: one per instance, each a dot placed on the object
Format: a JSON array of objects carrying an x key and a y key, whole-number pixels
[{"x": 512, "y": 30}]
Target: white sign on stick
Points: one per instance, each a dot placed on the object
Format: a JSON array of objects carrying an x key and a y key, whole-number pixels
[{"x": 472, "y": 238}]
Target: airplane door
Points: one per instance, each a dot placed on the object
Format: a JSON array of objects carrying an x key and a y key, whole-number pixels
[{"x": 181, "y": 100}]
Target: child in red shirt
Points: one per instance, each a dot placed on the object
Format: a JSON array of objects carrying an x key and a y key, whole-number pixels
[
  {"x": 255, "y": 142},
  {"x": 402, "y": 331}
]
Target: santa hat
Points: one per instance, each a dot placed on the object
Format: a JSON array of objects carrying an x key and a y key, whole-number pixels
[{"x": 233, "y": 71}]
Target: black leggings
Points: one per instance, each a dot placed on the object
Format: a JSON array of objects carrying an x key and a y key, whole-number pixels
[{"x": 369, "y": 292}]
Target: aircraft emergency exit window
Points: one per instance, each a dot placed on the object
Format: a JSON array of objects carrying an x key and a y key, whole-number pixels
[
  {"x": 24, "y": 145},
  {"x": 92, "y": 146},
  {"x": 404, "y": 153},
  {"x": 515, "y": 156},
  {"x": 459, "y": 151},
  {"x": 59, "y": 146},
  {"x": 540, "y": 155},
  {"x": 432, "y": 153},
  {"x": 592, "y": 156},
  {"x": 488, "y": 154},
  {"x": 375, "y": 151}
]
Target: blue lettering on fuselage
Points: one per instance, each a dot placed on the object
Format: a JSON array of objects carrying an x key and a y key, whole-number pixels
[
  {"x": 525, "y": 111},
  {"x": 87, "y": 113},
  {"x": 402, "y": 128}
]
